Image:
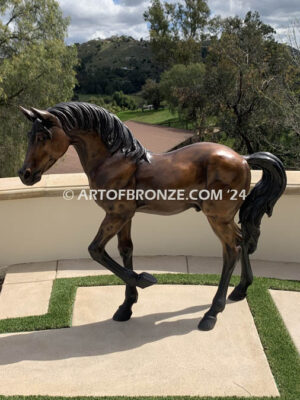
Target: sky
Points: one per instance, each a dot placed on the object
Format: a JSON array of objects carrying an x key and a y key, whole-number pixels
[{"x": 92, "y": 19}]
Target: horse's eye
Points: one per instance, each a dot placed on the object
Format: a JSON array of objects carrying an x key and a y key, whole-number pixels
[{"x": 40, "y": 138}]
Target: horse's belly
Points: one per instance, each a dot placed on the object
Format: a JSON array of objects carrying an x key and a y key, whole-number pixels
[{"x": 166, "y": 207}]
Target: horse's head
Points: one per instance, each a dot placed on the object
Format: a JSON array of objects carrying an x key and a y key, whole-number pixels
[{"x": 47, "y": 142}]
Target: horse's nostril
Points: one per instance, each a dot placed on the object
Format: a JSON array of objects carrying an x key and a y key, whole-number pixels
[{"x": 27, "y": 174}]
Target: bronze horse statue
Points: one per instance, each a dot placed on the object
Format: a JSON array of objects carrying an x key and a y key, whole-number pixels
[{"x": 113, "y": 159}]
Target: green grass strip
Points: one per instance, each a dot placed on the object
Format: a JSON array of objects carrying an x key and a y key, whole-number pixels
[{"x": 283, "y": 358}]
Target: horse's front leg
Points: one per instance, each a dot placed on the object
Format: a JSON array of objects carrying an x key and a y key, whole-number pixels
[
  {"x": 125, "y": 246},
  {"x": 110, "y": 226}
]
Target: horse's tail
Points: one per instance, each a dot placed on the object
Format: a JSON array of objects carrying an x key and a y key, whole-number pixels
[{"x": 262, "y": 197}]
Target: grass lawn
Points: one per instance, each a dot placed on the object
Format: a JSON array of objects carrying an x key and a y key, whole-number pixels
[
  {"x": 86, "y": 97},
  {"x": 282, "y": 355},
  {"x": 161, "y": 117},
  {"x": 148, "y": 117}
]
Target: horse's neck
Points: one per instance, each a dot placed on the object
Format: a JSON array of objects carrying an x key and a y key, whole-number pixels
[
  {"x": 90, "y": 149},
  {"x": 102, "y": 169}
]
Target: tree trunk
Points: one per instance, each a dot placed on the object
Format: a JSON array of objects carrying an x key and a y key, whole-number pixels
[{"x": 239, "y": 132}]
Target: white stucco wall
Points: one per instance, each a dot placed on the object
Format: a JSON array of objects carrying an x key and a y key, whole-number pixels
[{"x": 49, "y": 228}]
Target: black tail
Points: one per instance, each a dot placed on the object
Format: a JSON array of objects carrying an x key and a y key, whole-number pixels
[{"x": 262, "y": 197}]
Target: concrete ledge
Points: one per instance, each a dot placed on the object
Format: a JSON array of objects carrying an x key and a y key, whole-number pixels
[
  {"x": 49, "y": 186},
  {"x": 54, "y": 185}
]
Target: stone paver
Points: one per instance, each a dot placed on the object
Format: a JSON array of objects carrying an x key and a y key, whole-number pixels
[
  {"x": 80, "y": 267},
  {"x": 24, "y": 299},
  {"x": 11, "y": 300},
  {"x": 158, "y": 352},
  {"x": 270, "y": 269},
  {"x": 161, "y": 264},
  {"x": 31, "y": 272},
  {"x": 288, "y": 304},
  {"x": 206, "y": 265},
  {"x": 3, "y": 270},
  {"x": 154, "y": 264},
  {"x": 280, "y": 270}
]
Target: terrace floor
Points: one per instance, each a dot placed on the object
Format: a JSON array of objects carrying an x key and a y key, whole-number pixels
[{"x": 159, "y": 352}]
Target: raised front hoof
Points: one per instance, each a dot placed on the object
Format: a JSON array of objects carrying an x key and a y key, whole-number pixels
[
  {"x": 237, "y": 294},
  {"x": 144, "y": 280},
  {"x": 207, "y": 323},
  {"x": 122, "y": 314}
]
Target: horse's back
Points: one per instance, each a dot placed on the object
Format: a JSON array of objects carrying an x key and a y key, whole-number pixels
[
  {"x": 203, "y": 151},
  {"x": 198, "y": 164}
]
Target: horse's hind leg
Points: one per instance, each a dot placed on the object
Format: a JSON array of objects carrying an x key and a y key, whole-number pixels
[
  {"x": 240, "y": 291},
  {"x": 228, "y": 233},
  {"x": 125, "y": 246}
]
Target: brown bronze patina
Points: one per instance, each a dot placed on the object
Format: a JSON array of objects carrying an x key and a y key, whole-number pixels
[{"x": 113, "y": 159}]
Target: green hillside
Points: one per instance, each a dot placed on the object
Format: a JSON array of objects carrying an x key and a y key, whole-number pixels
[{"x": 114, "y": 64}]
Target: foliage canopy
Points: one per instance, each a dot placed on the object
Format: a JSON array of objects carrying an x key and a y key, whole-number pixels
[{"x": 36, "y": 68}]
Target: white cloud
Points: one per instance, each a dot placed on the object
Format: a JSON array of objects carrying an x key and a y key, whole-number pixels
[
  {"x": 278, "y": 13},
  {"x": 103, "y": 18}
]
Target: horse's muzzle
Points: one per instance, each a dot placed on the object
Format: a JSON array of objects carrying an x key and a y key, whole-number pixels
[{"x": 28, "y": 177}]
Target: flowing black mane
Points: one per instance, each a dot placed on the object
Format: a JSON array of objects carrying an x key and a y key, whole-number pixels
[{"x": 115, "y": 135}]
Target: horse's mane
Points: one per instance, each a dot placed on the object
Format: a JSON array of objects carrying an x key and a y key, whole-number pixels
[{"x": 114, "y": 133}]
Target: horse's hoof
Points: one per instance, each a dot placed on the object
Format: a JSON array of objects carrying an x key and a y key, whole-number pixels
[
  {"x": 122, "y": 314},
  {"x": 237, "y": 294},
  {"x": 207, "y": 323},
  {"x": 144, "y": 280}
]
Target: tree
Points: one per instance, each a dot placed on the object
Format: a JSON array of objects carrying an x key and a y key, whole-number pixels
[
  {"x": 291, "y": 105},
  {"x": 115, "y": 64},
  {"x": 176, "y": 30},
  {"x": 123, "y": 101},
  {"x": 151, "y": 93},
  {"x": 36, "y": 68},
  {"x": 245, "y": 70},
  {"x": 183, "y": 87}
]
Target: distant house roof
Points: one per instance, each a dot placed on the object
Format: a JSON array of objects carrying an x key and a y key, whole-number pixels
[{"x": 155, "y": 138}]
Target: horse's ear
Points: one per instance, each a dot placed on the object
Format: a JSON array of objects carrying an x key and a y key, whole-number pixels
[
  {"x": 28, "y": 114},
  {"x": 46, "y": 116}
]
